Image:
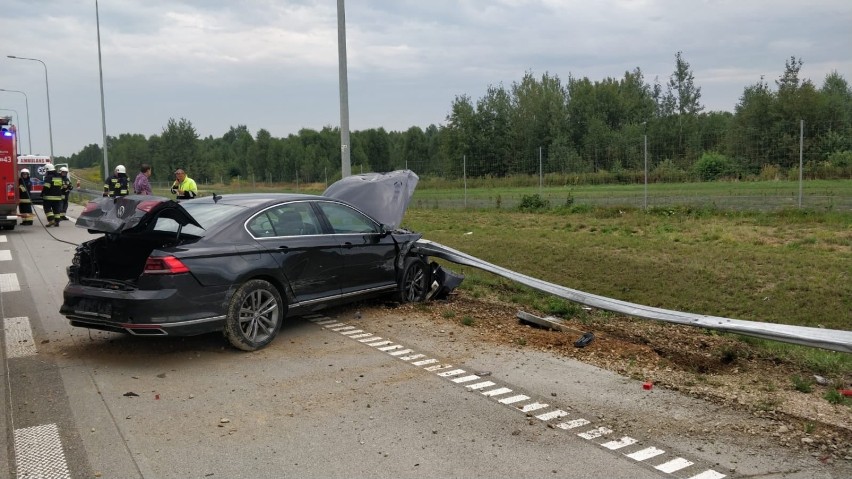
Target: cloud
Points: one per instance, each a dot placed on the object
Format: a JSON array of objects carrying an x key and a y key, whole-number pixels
[{"x": 273, "y": 63}]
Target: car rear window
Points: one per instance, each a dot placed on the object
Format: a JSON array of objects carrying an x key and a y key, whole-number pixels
[{"x": 207, "y": 215}]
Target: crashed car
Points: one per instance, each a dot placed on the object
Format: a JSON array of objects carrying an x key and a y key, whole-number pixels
[{"x": 240, "y": 263}]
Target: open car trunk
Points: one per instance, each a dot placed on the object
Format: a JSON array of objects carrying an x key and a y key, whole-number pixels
[{"x": 118, "y": 258}]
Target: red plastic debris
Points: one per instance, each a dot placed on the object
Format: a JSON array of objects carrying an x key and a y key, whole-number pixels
[
  {"x": 846, "y": 392},
  {"x": 156, "y": 396},
  {"x": 647, "y": 386}
]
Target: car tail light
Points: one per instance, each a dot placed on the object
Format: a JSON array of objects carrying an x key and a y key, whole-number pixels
[
  {"x": 164, "y": 265},
  {"x": 10, "y": 192}
]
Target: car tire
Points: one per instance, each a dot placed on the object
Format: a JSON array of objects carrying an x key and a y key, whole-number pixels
[
  {"x": 415, "y": 280},
  {"x": 254, "y": 315}
]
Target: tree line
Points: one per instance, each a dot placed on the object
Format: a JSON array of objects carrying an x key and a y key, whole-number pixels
[{"x": 542, "y": 125}]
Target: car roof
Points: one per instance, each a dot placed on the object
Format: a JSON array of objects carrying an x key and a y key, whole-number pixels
[{"x": 254, "y": 199}]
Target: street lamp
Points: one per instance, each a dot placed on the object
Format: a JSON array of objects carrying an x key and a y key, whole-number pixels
[
  {"x": 29, "y": 130},
  {"x": 47, "y": 88},
  {"x": 16, "y": 123}
]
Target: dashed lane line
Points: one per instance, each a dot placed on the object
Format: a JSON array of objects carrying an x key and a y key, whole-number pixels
[
  {"x": 38, "y": 450},
  {"x": 5, "y": 255},
  {"x": 9, "y": 283},
  {"x": 19, "y": 337},
  {"x": 525, "y": 404}
]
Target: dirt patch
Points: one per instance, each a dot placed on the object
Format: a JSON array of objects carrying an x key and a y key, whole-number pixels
[{"x": 718, "y": 368}]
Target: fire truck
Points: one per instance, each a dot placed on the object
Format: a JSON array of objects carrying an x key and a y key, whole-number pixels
[
  {"x": 36, "y": 164},
  {"x": 8, "y": 174}
]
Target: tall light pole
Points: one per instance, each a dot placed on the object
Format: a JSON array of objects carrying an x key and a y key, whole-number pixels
[
  {"x": 345, "y": 165},
  {"x": 103, "y": 109},
  {"x": 16, "y": 123},
  {"x": 47, "y": 88},
  {"x": 29, "y": 130}
]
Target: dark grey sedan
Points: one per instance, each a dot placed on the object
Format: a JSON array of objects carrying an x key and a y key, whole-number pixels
[{"x": 233, "y": 263}]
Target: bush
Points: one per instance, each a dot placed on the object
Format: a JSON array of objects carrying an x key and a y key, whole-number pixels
[
  {"x": 713, "y": 166},
  {"x": 841, "y": 159},
  {"x": 533, "y": 203}
]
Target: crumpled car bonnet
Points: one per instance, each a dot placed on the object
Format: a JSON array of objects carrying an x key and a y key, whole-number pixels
[{"x": 384, "y": 196}]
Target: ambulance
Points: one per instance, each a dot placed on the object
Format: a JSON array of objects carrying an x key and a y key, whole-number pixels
[
  {"x": 36, "y": 164},
  {"x": 8, "y": 174}
]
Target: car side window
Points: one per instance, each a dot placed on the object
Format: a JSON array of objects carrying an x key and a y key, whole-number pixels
[
  {"x": 346, "y": 220},
  {"x": 261, "y": 226},
  {"x": 294, "y": 219}
]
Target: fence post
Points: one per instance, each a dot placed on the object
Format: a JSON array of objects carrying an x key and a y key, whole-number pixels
[
  {"x": 646, "y": 171},
  {"x": 801, "y": 163},
  {"x": 464, "y": 177},
  {"x": 540, "y": 172}
]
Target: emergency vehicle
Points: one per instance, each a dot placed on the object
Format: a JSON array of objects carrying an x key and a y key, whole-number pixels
[
  {"x": 36, "y": 164},
  {"x": 8, "y": 174}
]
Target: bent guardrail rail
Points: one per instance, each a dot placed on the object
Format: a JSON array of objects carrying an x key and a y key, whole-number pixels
[{"x": 831, "y": 339}]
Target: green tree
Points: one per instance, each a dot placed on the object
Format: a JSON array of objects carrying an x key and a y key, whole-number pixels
[{"x": 178, "y": 147}]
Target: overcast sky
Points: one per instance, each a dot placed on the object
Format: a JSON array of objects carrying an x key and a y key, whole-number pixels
[{"x": 273, "y": 64}]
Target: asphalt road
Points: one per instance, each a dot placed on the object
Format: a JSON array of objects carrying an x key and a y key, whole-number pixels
[{"x": 332, "y": 396}]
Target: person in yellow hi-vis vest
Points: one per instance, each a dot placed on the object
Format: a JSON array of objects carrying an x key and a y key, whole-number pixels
[{"x": 184, "y": 187}]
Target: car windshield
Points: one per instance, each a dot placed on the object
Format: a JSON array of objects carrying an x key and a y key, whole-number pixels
[{"x": 206, "y": 214}]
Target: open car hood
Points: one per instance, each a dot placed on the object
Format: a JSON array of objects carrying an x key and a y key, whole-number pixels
[
  {"x": 129, "y": 214},
  {"x": 384, "y": 196}
]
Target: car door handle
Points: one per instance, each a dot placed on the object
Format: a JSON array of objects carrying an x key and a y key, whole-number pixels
[
  {"x": 284, "y": 248},
  {"x": 347, "y": 245}
]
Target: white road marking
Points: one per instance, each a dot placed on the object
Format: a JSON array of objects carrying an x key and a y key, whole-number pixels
[
  {"x": 552, "y": 415},
  {"x": 400, "y": 353},
  {"x": 424, "y": 362},
  {"x": 496, "y": 392},
  {"x": 466, "y": 379},
  {"x": 708, "y": 474},
  {"x": 514, "y": 399},
  {"x": 413, "y": 356},
  {"x": 623, "y": 442},
  {"x": 533, "y": 407},
  {"x": 674, "y": 465},
  {"x": 9, "y": 283},
  {"x": 484, "y": 384},
  {"x": 354, "y": 331},
  {"x": 362, "y": 335},
  {"x": 454, "y": 372},
  {"x": 3, "y": 239},
  {"x": 438, "y": 367},
  {"x": 646, "y": 454},
  {"x": 390, "y": 348},
  {"x": 342, "y": 328},
  {"x": 19, "y": 337},
  {"x": 38, "y": 450},
  {"x": 5, "y": 255},
  {"x": 597, "y": 432},
  {"x": 379, "y": 343},
  {"x": 325, "y": 322},
  {"x": 572, "y": 424},
  {"x": 370, "y": 340}
]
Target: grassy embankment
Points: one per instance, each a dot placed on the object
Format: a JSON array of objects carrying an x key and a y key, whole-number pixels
[{"x": 791, "y": 266}]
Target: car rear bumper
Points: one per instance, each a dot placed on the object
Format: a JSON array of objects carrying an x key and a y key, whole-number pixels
[{"x": 164, "y": 312}]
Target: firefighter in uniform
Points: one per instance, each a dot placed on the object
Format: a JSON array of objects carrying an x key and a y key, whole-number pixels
[
  {"x": 25, "y": 205},
  {"x": 52, "y": 195},
  {"x": 117, "y": 184},
  {"x": 66, "y": 191}
]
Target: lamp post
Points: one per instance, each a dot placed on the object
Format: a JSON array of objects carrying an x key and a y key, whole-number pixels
[
  {"x": 16, "y": 122},
  {"x": 29, "y": 130},
  {"x": 47, "y": 88}
]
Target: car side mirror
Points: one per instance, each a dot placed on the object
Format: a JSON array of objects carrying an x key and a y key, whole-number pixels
[{"x": 386, "y": 230}]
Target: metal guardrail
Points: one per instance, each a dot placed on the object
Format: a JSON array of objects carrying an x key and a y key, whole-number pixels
[{"x": 831, "y": 339}]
